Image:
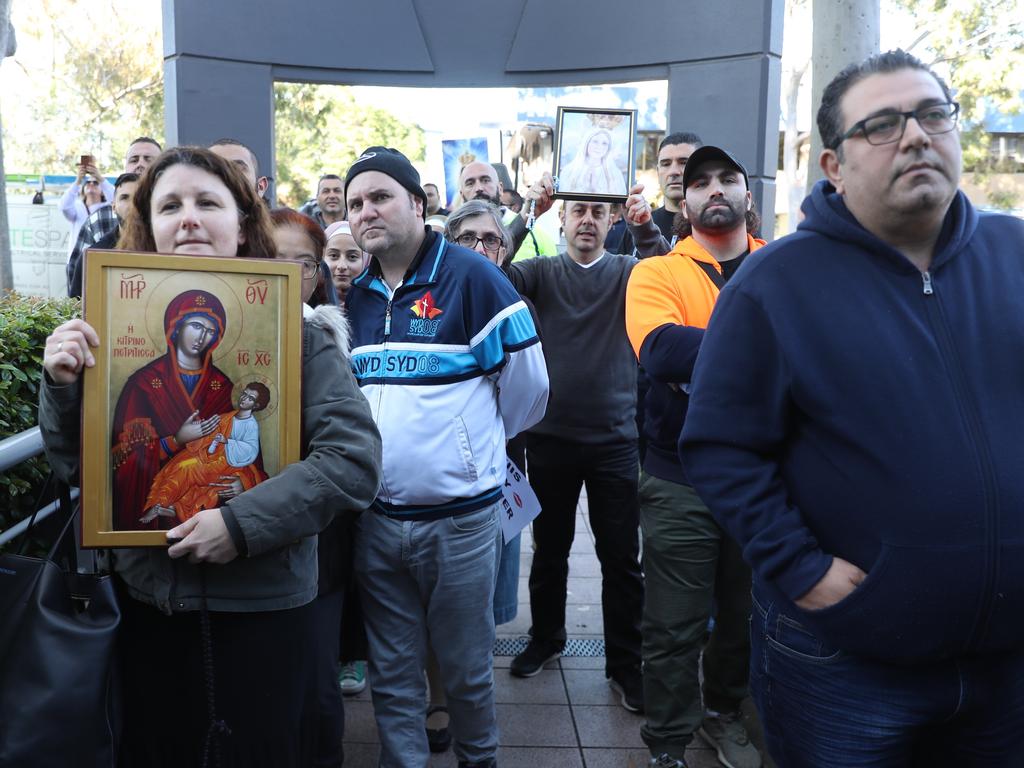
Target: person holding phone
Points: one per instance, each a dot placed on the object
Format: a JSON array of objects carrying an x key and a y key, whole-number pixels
[{"x": 89, "y": 192}]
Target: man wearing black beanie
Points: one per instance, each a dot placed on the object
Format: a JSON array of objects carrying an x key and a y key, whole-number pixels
[
  {"x": 447, "y": 355},
  {"x": 390, "y": 162}
]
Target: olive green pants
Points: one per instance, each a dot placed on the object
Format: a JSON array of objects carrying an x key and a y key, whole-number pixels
[{"x": 690, "y": 565}]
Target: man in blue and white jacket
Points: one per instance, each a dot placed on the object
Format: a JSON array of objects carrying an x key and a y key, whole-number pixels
[
  {"x": 856, "y": 423},
  {"x": 447, "y": 354}
]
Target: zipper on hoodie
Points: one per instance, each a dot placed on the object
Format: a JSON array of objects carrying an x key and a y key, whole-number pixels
[
  {"x": 926, "y": 278},
  {"x": 380, "y": 387},
  {"x": 980, "y": 449}
]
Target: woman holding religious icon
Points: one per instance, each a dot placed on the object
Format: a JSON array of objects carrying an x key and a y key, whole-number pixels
[{"x": 249, "y": 565}]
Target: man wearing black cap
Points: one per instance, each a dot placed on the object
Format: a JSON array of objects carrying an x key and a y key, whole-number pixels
[
  {"x": 447, "y": 354},
  {"x": 688, "y": 561}
]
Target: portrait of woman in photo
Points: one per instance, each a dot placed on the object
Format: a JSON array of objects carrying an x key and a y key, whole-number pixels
[{"x": 593, "y": 170}]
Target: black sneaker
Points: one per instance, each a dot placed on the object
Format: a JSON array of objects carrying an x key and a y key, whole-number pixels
[
  {"x": 531, "y": 661},
  {"x": 665, "y": 760},
  {"x": 629, "y": 684}
]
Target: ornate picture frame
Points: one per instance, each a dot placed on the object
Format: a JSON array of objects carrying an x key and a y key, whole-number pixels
[
  {"x": 196, "y": 391},
  {"x": 595, "y": 157}
]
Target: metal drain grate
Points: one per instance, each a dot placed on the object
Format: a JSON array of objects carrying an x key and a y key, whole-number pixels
[{"x": 582, "y": 647}]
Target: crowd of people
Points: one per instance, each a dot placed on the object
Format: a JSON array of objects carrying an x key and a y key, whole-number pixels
[{"x": 800, "y": 457}]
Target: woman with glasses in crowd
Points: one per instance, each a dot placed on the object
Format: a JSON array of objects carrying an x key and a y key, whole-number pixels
[
  {"x": 299, "y": 237},
  {"x": 477, "y": 225}
]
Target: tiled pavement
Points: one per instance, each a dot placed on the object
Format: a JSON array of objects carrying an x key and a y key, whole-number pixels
[{"x": 565, "y": 717}]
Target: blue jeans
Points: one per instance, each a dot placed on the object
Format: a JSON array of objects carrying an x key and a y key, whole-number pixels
[
  {"x": 506, "y": 590},
  {"x": 430, "y": 578},
  {"x": 822, "y": 707}
]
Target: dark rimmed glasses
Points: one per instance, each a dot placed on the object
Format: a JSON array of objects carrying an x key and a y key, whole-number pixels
[
  {"x": 890, "y": 126},
  {"x": 309, "y": 267},
  {"x": 490, "y": 242}
]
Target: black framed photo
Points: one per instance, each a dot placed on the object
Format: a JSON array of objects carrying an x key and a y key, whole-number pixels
[{"x": 594, "y": 156}]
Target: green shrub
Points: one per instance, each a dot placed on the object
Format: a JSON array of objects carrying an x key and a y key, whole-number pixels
[{"x": 25, "y": 322}]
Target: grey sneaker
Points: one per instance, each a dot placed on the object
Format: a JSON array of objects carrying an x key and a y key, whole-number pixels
[
  {"x": 726, "y": 734},
  {"x": 665, "y": 760}
]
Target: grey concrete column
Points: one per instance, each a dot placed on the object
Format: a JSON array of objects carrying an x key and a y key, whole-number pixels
[
  {"x": 844, "y": 32},
  {"x": 734, "y": 104},
  {"x": 208, "y": 99}
]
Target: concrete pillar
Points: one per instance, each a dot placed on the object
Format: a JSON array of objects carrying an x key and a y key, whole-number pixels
[
  {"x": 208, "y": 99},
  {"x": 845, "y": 31},
  {"x": 734, "y": 104}
]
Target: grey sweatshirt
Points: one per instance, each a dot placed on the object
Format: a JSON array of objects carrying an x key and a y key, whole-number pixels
[{"x": 591, "y": 365}]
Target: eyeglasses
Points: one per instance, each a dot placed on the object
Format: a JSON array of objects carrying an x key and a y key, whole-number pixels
[
  {"x": 309, "y": 267},
  {"x": 491, "y": 242},
  {"x": 889, "y": 127}
]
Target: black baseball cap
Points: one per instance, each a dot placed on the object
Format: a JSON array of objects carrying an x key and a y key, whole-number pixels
[{"x": 702, "y": 155}]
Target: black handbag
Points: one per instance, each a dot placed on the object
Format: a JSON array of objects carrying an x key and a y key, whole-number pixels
[{"x": 58, "y": 630}]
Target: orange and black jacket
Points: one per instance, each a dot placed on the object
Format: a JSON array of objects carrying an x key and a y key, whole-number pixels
[{"x": 669, "y": 300}]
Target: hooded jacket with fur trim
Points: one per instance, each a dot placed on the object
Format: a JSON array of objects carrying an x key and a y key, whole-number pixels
[{"x": 278, "y": 519}]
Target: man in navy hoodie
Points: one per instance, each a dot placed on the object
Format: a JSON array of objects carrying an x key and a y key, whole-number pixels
[{"x": 856, "y": 424}]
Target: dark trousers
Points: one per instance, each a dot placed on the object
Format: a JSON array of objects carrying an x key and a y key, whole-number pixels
[
  {"x": 262, "y": 687},
  {"x": 329, "y": 717},
  {"x": 820, "y": 706},
  {"x": 558, "y": 469},
  {"x": 689, "y": 562}
]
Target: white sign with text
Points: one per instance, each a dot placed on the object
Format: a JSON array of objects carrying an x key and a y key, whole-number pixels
[{"x": 519, "y": 505}]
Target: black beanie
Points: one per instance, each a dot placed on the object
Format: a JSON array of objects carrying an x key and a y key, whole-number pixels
[{"x": 392, "y": 163}]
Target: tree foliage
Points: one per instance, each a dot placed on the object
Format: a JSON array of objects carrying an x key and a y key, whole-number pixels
[
  {"x": 321, "y": 129},
  {"x": 978, "y": 46},
  {"x": 25, "y": 322},
  {"x": 92, "y": 80},
  {"x": 95, "y": 74}
]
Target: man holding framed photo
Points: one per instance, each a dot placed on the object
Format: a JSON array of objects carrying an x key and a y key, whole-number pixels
[{"x": 588, "y": 437}]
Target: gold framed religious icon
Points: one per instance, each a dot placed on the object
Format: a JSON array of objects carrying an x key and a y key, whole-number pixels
[
  {"x": 594, "y": 154},
  {"x": 195, "y": 396}
]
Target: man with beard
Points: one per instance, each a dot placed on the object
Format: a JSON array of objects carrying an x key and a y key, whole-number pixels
[
  {"x": 855, "y": 424},
  {"x": 479, "y": 181},
  {"x": 588, "y": 436},
  {"x": 689, "y": 563},
  {"x": 673, "y": 154}
]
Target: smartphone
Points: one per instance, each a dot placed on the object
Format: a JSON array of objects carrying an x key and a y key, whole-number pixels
[{"x": 87, "y": 160}]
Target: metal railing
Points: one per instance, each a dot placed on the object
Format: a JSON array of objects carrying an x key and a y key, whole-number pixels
[{"x": 13, "y": 451}]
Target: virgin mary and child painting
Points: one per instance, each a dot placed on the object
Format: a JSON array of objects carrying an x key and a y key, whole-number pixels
[{"x": 180, "y": 445}]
